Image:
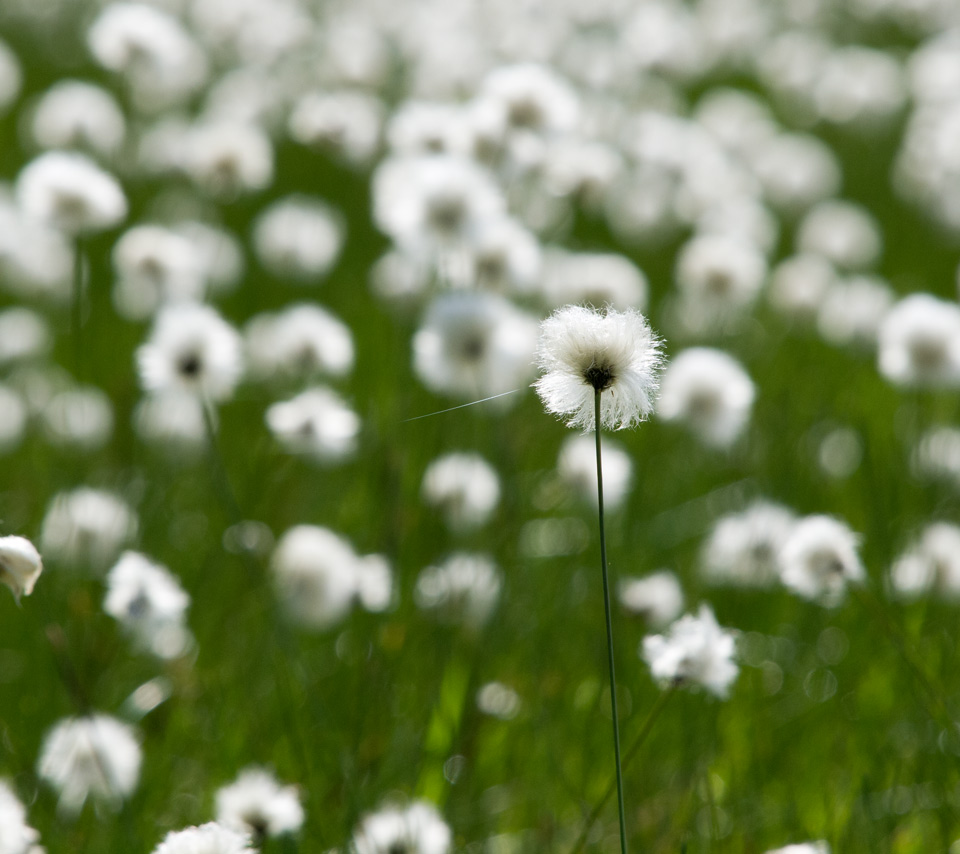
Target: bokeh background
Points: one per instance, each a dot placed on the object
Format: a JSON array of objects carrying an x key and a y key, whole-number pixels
[{"x": 764, "y": 179}]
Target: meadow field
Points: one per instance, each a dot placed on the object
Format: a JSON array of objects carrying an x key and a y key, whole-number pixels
[{"x": 321, "y": 565}]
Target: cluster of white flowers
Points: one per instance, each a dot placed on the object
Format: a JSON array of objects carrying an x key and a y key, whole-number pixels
[{"x": 417, "y": 828}]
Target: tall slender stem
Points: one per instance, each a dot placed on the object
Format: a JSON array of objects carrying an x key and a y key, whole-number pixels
[{"x": 607, "y": 611}]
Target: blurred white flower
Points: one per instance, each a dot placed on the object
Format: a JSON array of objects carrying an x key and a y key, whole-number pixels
[
  {"x": 79, "y": 418},
  {"x": 76, "y": 114},
  {"x": 852, "y": 310},
  {"x": 597, "y": 278},
  {"x": 819, "y": 559},
  {"x": 155, "y": 265},
  {"x": 209, "y": 838},
  {"x": 86, "y": 526},
  {"x": 24, "y": 334},
  {"x": 172, "y": 419},
  {"x": 498, "y": 701},
  {"x": 346, "y": 124},
  {"x": 148, "y": 601},
  {"x": 20, "y": 567},
  {"x": 860, "y": 87},
  {"x": 16, "y": 837},
  {"x": 226, "y": 159},
  {"x": 930, "y": 565},
  {"x": 95, "y": 756},
  {"x": 464, "y": 588},
  {"x": 298, "y": 237},
  {"x": 36, "y": 258},
  {"x": 69, "y": 191},
  {"x": 301, "y": 340},
  {"x": 464, "y": 487},
  {"x": 657, "y": 597},
  {"x": 796, "y": 171},
  {"x": 153, "y": 51},
  {"x": 919, "y": 343},
  {"x": 583, "y": 351},
  {"x": 433, "y": 203},
  {"x": 577, "y": 467},
  {"x": 708, "y": 391},
  {"x": 502, "y": 256},
  {"x": 694, "y": 651},
  {"x": 937, "y": 455},
  {"x": 417, "y": 828},
  {"x": 799, "y": 284},
  {"x": 428, "y": 127},
  {"x": 316, "y": 423},
  {"x": 220, "y": 253},
  {"x": 255, "y": 803},
  {"x": 317, "y": 575},
  {"x": 743, "y": 548},
  {"x": 13, "y": 418},
  {"x": 803, "y": 848},
  {"x": 191, "y": 348},
  {"x": 844, "y": 233},
  {"x": 533, "y": 97},
  {"x": 474, "y": 345}
]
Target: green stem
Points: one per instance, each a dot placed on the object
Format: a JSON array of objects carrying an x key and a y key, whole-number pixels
[
  {"x": 607, "y": 611},
  {"x": 658, "y": 707}
]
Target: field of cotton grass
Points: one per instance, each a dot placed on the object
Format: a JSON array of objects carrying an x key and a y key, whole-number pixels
[{"x": 307, "y": 312}]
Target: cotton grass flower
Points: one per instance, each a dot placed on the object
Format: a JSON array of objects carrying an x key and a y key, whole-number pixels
[
  {"x": 584, "y": 351},
  {"x": 96, "y": 756},
  {"x": 743, "y": 548},
  {"x": 149, "y": 602},
  {"x": 819, "y": 559},
  {"x": 20, "y": 566},
  {"x": 710, "y": 392},
  {"x": 464, "y": 588},
  {"x": 209, "y": 838},
  {"x": 191, "y": 348},
  {"x": 417, "y": 828},
  {"x": 919, "y": 343},
  {"x": 803, "y": 848},
  {"x": 298, "y": 238},
  {"x": 577, "y": 467},
  {"x": 316, "y": 424},
  {"x": 464, "y": 487},
  {"x": 69, "y": 191},
  {"x": 694, "y": 651},
  {"x": 16, "y": 836},
  {"x": 255, "y": 803},
  {"x": 930, "y": 565},
  {"x": 87, "y": 526},
  {"x": 657, "y": 598}
]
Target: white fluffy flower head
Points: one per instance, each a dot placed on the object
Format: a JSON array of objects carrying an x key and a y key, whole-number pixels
[
  {"x": 583, "y": 350},
  {"x": 256, "y": 803},
  {"x": 209, "y": 838},
  {"x": 20, "y": 565}
]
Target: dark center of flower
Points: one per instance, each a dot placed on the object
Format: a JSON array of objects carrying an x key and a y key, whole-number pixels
[
  {"x": 599, "y": 376},
  {"x": 526, "y": 113},
  {"x": 398, "y": 847},
  {"x": 447, "y": 212},
  {"x": 473, "y": 347},
  {"x": 189, "y": 364},
  {"x": 928, "y": 354},
  {"x": 491, "y": 266}
]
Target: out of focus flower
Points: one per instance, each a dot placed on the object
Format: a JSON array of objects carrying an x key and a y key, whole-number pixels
[
  {"x": 799, "y": 284},
  {"x": 930, "y": 565},
  {"x": 315, "y": 423},
  {"x": 417, "y": 828},
  {"x": 255, "y": 803},
  {"x": 220, "y": 253},
  {"x": 433, "y": 203},
  {"x": 172, "y": 419},
  {"x": 502, "y": 256},
  {"x": 842, "y": 232},
  {"x": 75, "y": 114},
  {"x": 155, "y": 265},
  {"x": 694, "y": 651},
  {"x": 533, "y": 98},
  {"x": 796, "y": 171},
  {"x": 298, "y": 237},
  {"x": 227, "y": 158},
  {"x": 16, "y": 837},
  {"x": 464, "y": 487},
  {"x": 346, "y": 124},
  {"x": 598, "y": 278},
  {"x": 192, "y": 349},
  {"x": 95, "y": 756},
  {"x": 710, "y": 392},
  {"x": 657, "y": 597},
  {"x": 577, "y": 467},
  {"x": 148, "y": 601},
  {"x": 87, "y": 526},
  {"x": 498, "y": 701},
  {"x": 80, "y": 418},
  {"x": 852, "y": 310},
  {"x": 71, "y": 192},
  {"x": 583, "y": 351},
  {"x": 465, "y": 587},
  {"x": 819, "y": 559},
  {"x": 13, "y": 418},
  {"x": 317, "y": 575},
  {"x": 20, "y": 567},
  {"x": 937, "y": 455},
  {"x": 302, "y": 340},
  {"x": 743, "y": 548},
  {"x": 24, "y": 334},
  {"x": 474, "y": 345},
  {"x": 803, "y": 848},
  {"x": 919, "y": 343},
  {"x": 151, "y": 49},
  {"x": 209, "y": 838}
]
